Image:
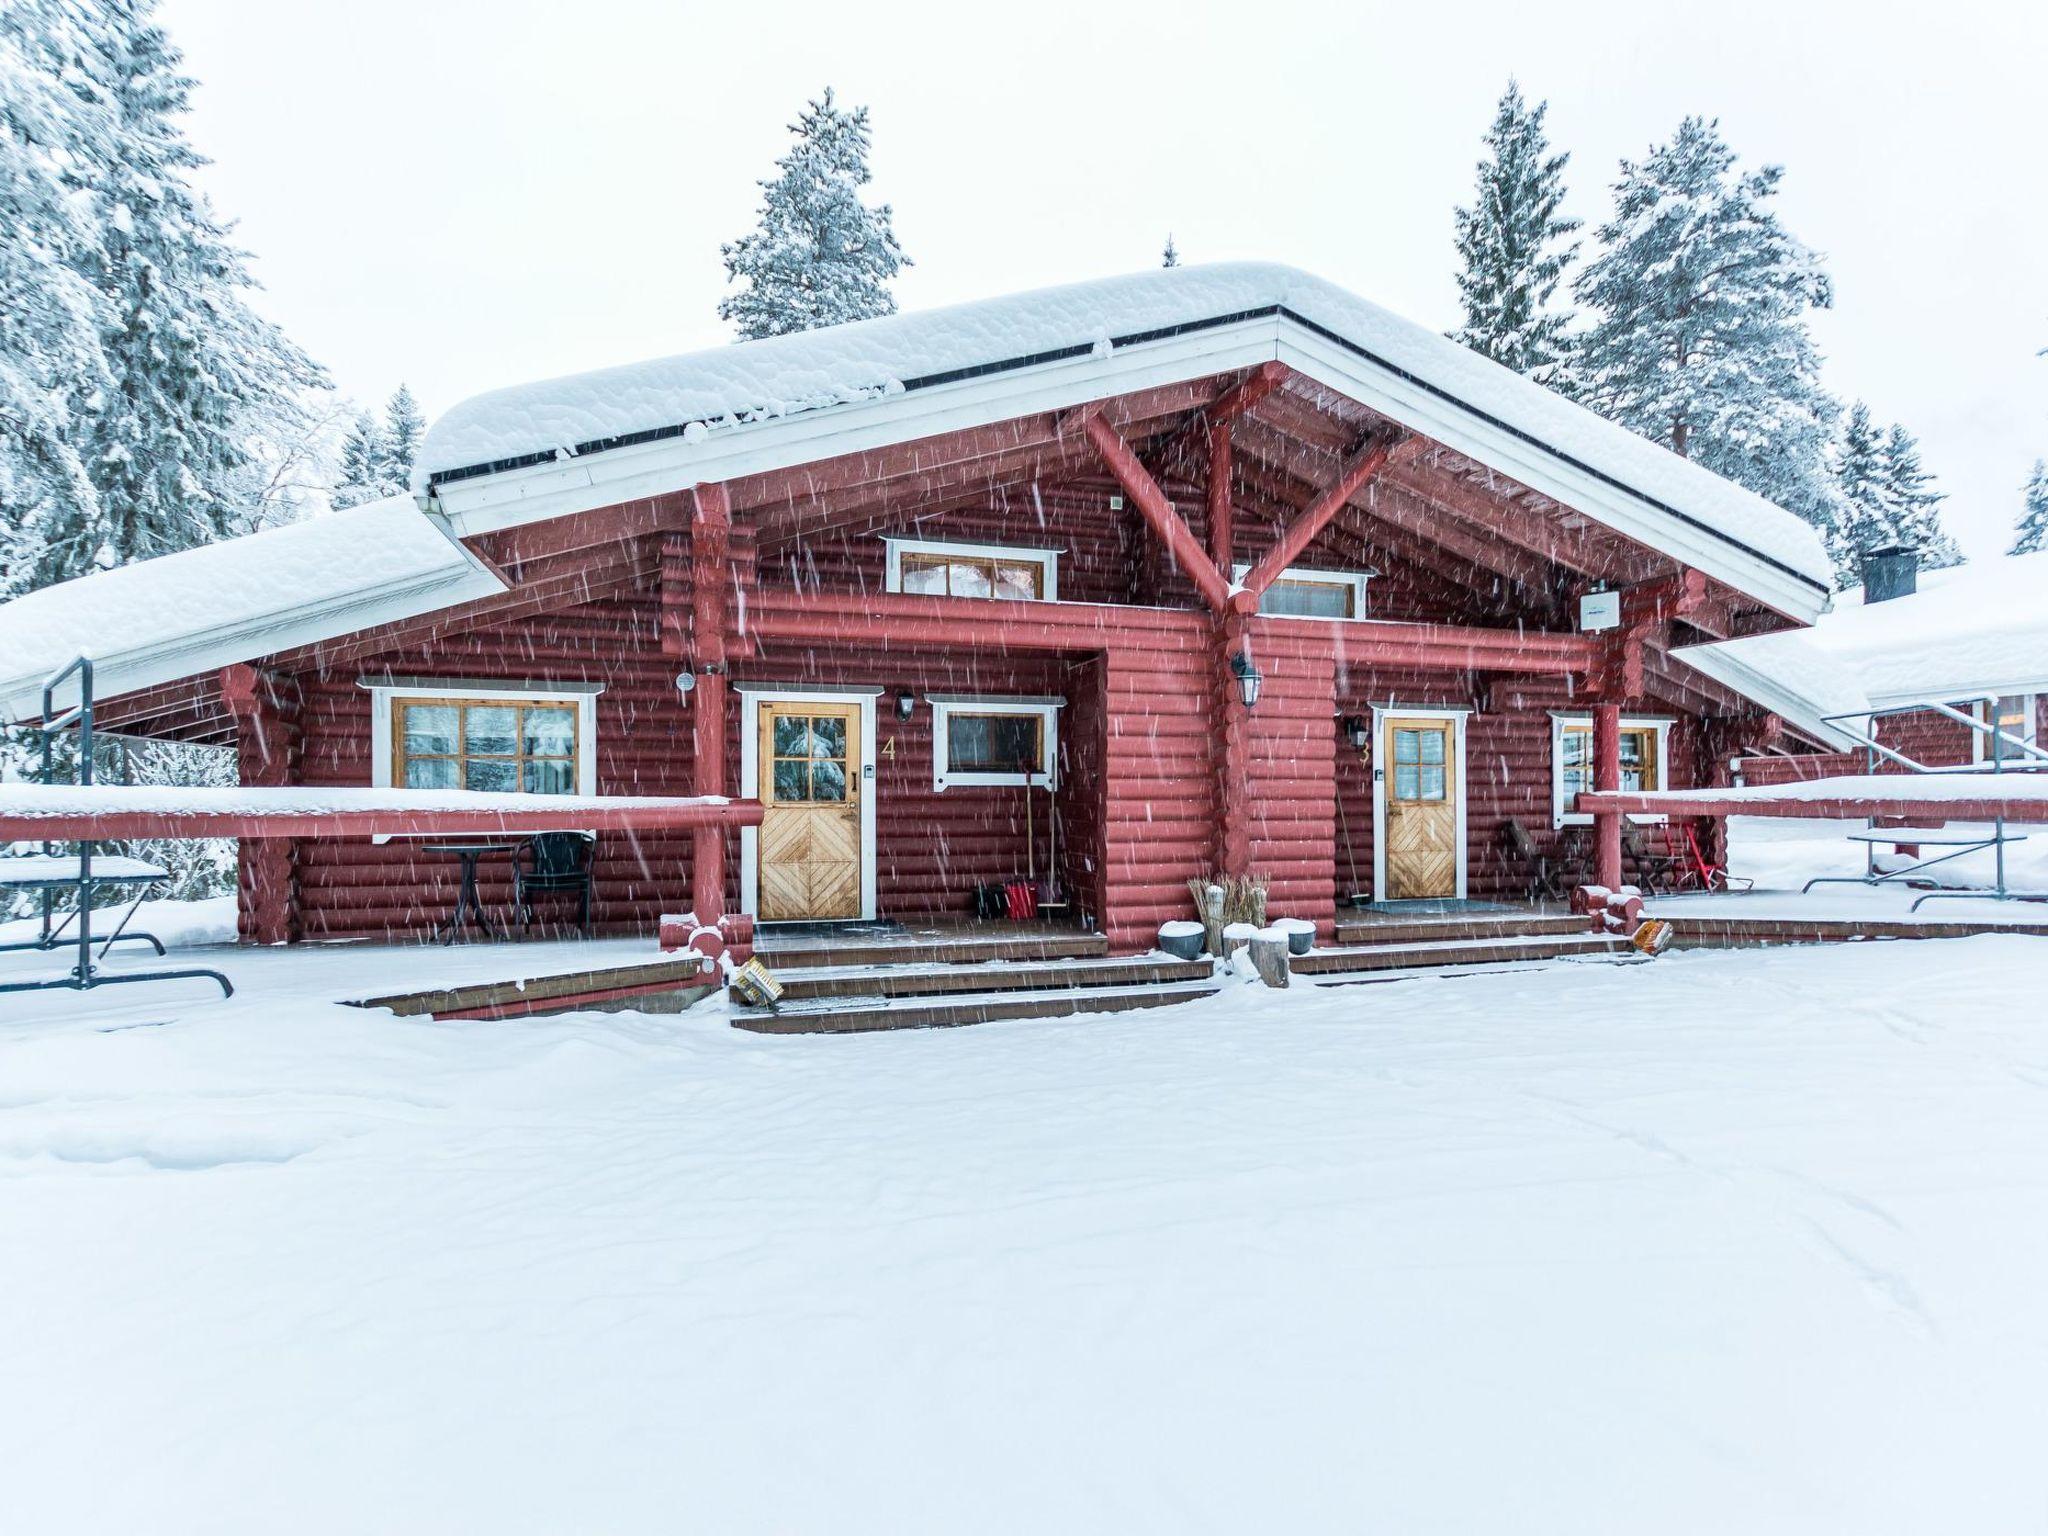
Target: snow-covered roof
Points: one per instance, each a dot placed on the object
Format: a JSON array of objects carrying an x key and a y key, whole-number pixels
[
  {"x": 544, "y": 449},
  {"x": 180, "y": 615},
  {"x": 1975, "y": 629},
  {"x": 1789, "y": 675}
]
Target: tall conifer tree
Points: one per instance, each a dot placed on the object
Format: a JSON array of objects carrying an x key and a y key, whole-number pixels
[
  {"x": 2031, "y": 533},
  {"x": 1514, "y": 245},
  {"x": 819, "y": 255},
  {"x": 1698, "y": 302}
]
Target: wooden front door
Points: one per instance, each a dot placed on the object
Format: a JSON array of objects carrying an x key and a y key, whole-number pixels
[
  {"x": 811, "y": 809},
  {"x": 1420, "y": 779}
]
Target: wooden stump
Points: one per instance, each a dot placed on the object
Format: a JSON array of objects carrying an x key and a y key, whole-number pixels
[
  {"x": 1212, "y": 920},
  {"x": 1269, "y": 955}
]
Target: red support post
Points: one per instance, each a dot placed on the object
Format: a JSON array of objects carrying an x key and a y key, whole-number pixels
[
  {"x": 1314, "y": 519},
  {"x": 267, "y": 743},
  {"x": 1222, "y": 527},
  {"x": 711, "y": 573},
  {"x": 1233, "y": 752},
  {"x": 1607, "y": 777}
]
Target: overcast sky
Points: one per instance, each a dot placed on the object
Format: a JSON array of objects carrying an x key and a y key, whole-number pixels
[{"x": 468, "y": 193}]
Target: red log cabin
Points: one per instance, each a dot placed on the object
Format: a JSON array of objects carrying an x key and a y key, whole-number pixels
[{"x": 1208, "y": 569}]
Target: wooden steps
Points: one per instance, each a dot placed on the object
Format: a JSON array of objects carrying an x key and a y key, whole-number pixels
[
  {"x": 1354, "y": 932},
  {"x": 835, "y": 1016},
  {"x": 916, "y": 979},
  {"x": 780, "y": 954},
  {"x": 1330, "y": 966}
]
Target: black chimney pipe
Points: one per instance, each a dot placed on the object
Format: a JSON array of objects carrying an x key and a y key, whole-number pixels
[{"x": 1889, "y": 572}]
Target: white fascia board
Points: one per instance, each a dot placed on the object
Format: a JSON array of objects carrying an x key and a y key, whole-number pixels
[
  {"x": 1760, "y": 687},
  {"x": 1432, "y": 415},
  {"x": 283, "y": 629},
  {"x": 490, "y": 502},
  {"x": 487, "y": 503}
]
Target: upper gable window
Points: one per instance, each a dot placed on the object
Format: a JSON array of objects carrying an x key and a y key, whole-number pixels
[
  {"x": 1298, "y": 592},
  {"x": 999, "y": 571}
]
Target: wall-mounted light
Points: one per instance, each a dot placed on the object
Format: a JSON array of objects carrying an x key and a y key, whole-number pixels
[
  {"x": 1357, "y": 730},
  {"x": 1249, "y": 679},
  {"x": 685, "y": 681},
  {"x": 906, "y": 706}
]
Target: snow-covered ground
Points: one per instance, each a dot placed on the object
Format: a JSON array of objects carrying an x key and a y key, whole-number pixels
[{"x": 1592, "y": 1248}]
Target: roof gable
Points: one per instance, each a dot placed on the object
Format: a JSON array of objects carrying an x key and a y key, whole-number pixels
[{"x": 546, "y": 449}]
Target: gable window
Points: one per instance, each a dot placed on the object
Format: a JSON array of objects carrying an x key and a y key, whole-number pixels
[
  {"x": 998, "y": 571},
  {"x": 994, "y": 741},
  {"x": 507, "y": 739},
  {"x": 1571, "y": 761},
  {"x": 1299, "y": 592},
  {"x": 2012, "y": 714}
]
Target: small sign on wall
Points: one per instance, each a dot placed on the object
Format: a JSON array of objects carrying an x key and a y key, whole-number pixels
[{"x": 1600, "y": 610}]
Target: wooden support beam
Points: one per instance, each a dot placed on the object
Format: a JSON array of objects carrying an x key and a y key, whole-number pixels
[
  {"x": 1222, "y": 525},
  {"x": 710, "y": 577},
  {"x": 1607, "y": 778},
  {"x": 1158, "y": 511},
  {"x": 1233, "y": 752},
  {"x": 1361, "y": 467},
  {"x": 268, "y": 747},
  {"x": 122, "y": 818}
]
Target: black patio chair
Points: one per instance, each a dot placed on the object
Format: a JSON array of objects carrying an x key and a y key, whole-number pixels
[
  {"x": 554, "y": 864},
  {"x": 1542, "y": 876},
  {"x": 1657, "y": 868}
]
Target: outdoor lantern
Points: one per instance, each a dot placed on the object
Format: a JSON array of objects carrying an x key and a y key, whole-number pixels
[
  {"x": 1248, "y": 678},
  {"x": 905, "y": 706},
  {"x": 1357, "y": 730}
]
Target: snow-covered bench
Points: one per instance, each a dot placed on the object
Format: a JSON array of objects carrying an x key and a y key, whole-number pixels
[{"x": 50, "y": 873}]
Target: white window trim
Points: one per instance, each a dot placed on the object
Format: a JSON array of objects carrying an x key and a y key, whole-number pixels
[
  {"x": 2029, "y": 732},
  {"x": 582, "y": 695},
  {"x": 1380, "y": 714},
  {"x": 1047, "y": 560},
  {"x": 1660, "y": 724},
  {"x": 1048, "y": 710},
  {"x": 1357, "y": 581}
]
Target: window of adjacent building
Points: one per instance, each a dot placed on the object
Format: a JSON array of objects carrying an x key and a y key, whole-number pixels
[
  {"x": 994, "y": 741},
  {"x": 1642, "y": 761},
  {"x": 2014, "y": 715},
  {"x": 992, "y": 571},
  {"x": 1301, "y": 593}
]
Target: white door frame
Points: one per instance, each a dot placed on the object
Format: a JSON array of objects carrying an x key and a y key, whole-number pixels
[
  {"x": 752, "y": 697},
  {"x": 1380, "y": 713}
]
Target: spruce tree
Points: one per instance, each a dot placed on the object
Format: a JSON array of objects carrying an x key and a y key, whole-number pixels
[
  {"x": 2031, "y": 534},
  {"x": 819, "y": 255},
  {"x": 1513, "y": 245},
  {"x": 362, "y": 463},
  {"x": 404, "y": 426},
  {"x": 52, "y": 119},
  {"x": 1861, "y": 479},
  {"x": 1914, "y": 504},
  {"x": 1170, "y": 257},
  {"x": 198, "y": 379},
  {"x": 1698, "y": 338}
]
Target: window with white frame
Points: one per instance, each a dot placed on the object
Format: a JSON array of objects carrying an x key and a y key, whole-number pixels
[
  {"x": 994, "y": 741},
  {"x": 1300, "y": 592},
  {"x": 535, "y": 740},
  {"x": 999, "y": 571},
  {"x": 2014, "y": 714},
  {"x": 1643, "y": 761}
]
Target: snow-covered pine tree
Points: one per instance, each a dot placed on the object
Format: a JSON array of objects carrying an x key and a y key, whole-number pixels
[
  {"x": 1513, "y": 243},
  {"x": 404, "y": 426},
  {"x": 1170, "y": 257},
  {"x": 1698, "y": 301},
  {"x": 52, "y": 118},
  {"x": 2031, "y": 533},
  {"x": 362, "y": 463},
  {"x": 819, "y": 255},
  {"x": 1864, "y": 520},
  {"x": 1914, "y": 504},
  {"x": 199, "y": 380}
]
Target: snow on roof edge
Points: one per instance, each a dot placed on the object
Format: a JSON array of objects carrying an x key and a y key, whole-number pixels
[{"x": 798, "y": 374}]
